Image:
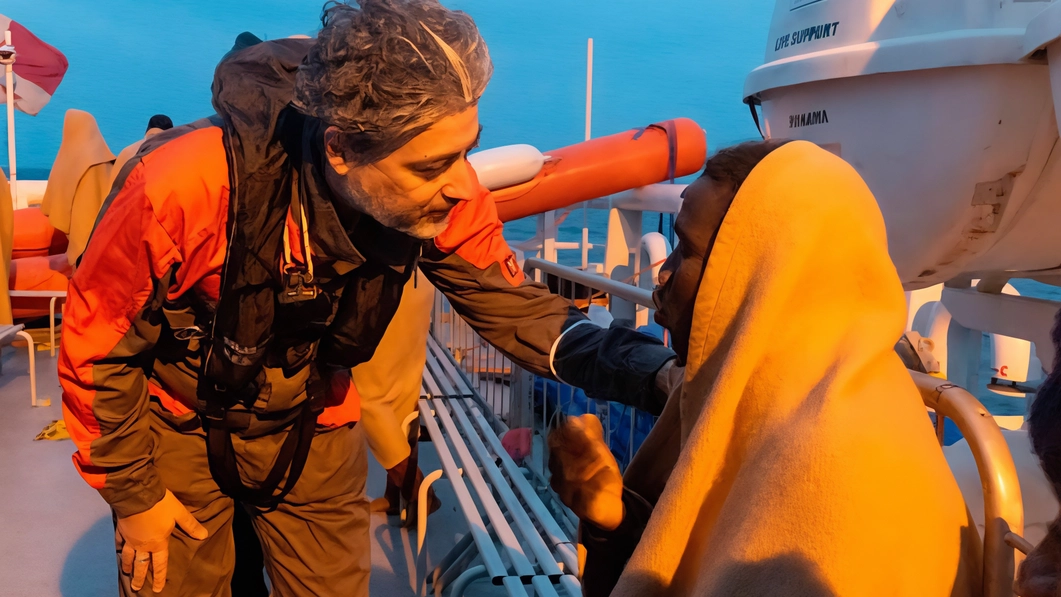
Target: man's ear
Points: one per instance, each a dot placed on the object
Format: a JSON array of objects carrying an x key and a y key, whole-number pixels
[{"x": 333, "y": 150}]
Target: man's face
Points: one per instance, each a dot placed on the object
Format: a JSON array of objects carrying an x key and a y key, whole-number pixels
[
  {"x": 413, "y": 189},
  {"x": 704, "y": 206}
]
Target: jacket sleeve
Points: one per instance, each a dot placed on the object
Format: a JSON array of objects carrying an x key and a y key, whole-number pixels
[
  {"x": 471, "y": 263},
  {"x": 607, "y": 552},
  {"x": 110, "y": 322}
]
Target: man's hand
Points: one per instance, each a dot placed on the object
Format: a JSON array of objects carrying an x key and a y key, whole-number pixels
[
  {"x": 146, "y": 539},
  {"x": 1040, "y": 573},
  {"x": 668, "y": 379},
  {"x": 584, "y": 472}
]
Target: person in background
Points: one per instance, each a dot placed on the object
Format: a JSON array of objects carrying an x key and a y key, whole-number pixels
[
  {"x": 793, "y": 456},
  {"x": 247, "y": 262},
  {"x": 77, "y": 185},
  {"x": 158, "y": 123},
  {"x": 1040, "y": 573},
  {"x": 78, "y": 182},
  {"x": 389, "y": 385},
  {"x": 155, "y": 125}
]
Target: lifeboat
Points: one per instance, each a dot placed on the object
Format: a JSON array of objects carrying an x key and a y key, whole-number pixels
[{"x": 592, "y": 169}]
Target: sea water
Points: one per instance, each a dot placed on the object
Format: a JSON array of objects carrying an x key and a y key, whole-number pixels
[{"x": 130, "y": 59}]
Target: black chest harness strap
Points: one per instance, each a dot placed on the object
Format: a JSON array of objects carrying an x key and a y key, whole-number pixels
[
  {"x": 290, "y": 460},
  {"x": 216, "y": 400},
  {"x": 262, "y": 309}
]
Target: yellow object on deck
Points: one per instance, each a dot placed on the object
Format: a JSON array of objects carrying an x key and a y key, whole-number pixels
[{"x": 55, "y": 431}]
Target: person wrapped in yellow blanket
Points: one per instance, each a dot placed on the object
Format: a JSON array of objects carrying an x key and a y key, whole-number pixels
[{"x": 794, "y": 455}]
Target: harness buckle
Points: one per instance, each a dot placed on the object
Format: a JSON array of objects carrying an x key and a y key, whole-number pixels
[{"x": 298, "y": 286}]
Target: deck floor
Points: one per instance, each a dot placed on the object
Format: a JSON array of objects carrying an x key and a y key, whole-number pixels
[{"x": 56, "y": 536}]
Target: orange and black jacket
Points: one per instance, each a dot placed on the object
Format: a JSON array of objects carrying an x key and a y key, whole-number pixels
[{"x": 189, "y": 250}]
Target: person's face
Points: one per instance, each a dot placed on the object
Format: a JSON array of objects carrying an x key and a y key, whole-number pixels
[
  {"x": 413, "y": 189},
  {"x": 679, "y": 277}
]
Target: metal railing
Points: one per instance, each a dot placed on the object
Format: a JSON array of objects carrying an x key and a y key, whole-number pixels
[
  {"x": 622, "y": 300},
  {"x": 1003, "y": 505},
  {"x": 498, "y": 381},
  {"x": 516, "y": 398},
  {"x": 508, "y": 392},
  {"x": 614, "y": 288}
]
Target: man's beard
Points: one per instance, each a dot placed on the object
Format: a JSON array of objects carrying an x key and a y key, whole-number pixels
[{"x": 413, "y": 224}]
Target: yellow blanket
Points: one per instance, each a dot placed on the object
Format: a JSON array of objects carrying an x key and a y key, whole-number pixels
[
  {"x": 808, "y": 465},
  {"x": 79, "y": 181},
  {"x": 389, "y": 383}
]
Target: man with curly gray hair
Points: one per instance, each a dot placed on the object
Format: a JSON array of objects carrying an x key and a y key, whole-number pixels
[
  {"x": 243, "y": 264},
  {"x": 380, "y": 76}
]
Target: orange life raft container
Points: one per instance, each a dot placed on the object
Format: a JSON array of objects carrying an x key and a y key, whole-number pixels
[
  {"x": 37, "y": 273},
  {"x": 35, "y": 236},
  {"x": 38, "y": 262},
  {"x": 607, "y": 165}
]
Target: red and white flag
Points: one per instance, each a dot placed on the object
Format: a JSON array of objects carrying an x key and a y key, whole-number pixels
[{"x": 38, "y": 70}]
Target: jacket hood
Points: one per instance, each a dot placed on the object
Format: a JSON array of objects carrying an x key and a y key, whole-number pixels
[{"x": 252, "y": 86}]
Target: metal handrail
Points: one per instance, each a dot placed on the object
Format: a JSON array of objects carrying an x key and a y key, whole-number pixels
[
  {"x": 477, "y": 527},
  {"x": 619, "y": 291},
  {"x": 1003, "y": 505},
  {"x": 616, "y": 288}
]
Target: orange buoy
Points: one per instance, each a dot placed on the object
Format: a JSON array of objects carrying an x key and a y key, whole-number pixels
[{"x": 607, "y": 165}]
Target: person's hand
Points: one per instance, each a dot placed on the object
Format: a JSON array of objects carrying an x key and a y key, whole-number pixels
[
  {"x": 669, "y": 377},
  {"x": 584, "y": 472},
  {"x": 1040, "y": 573},
  {"x": 146, "y": 539}
]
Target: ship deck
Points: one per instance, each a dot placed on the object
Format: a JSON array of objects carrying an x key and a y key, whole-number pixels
[{"x": 56, "y": 533}]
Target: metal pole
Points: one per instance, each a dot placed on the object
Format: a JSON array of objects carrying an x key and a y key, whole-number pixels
[
  {"x": 470, "y": 575},
  {"x": 1003, "y": 504},
  {"x": 487, "y": 550},
  {"x": 512, "y": 547},
  {"x": 589, "y": 127},
  {"x": 531, "y": 538},
  {"x": 560, "y": 542},
  {"x": 7, "y": 57},
  {"x": 589, "y": 87}
]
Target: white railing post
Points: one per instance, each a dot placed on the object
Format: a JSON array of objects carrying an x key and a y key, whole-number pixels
[
  {"x": 547, "y": 230},
  {"x": 589, "y": 129},
  {"x": 589, "y": 88}
]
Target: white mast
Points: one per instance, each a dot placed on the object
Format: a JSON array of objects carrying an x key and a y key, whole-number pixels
[{"x": 7, "y": 58}]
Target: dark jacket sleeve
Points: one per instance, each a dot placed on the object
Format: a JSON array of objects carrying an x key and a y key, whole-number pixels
[
  {"x": 607, "y": 552},
  {"x": 473, "y": 266}
]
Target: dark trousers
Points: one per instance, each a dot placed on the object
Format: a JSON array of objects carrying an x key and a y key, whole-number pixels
[
  {"x": 316, "y": 542},
  {"x": 248, "y": 578}
]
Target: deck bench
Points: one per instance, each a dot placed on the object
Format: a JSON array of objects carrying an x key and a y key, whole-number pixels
[{"x": 518, "y": 540}]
